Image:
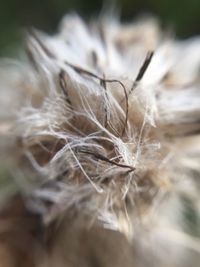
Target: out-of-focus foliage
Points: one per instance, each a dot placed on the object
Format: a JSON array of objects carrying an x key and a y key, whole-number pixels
[{"x": 182, "y": 16}]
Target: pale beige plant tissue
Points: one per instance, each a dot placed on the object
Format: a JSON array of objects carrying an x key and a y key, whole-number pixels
[{"x": 100, "y": 135}]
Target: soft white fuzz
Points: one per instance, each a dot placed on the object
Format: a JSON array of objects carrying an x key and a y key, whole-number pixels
[{"x": 102, "y": 125}]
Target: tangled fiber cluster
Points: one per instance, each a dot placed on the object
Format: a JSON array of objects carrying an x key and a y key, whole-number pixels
[{"x": 100, "y": 148}]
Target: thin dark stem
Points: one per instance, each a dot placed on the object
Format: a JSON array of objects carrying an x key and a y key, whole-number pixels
[
  {"x": 63, "y": 86},
  {"x": 103, "y": 158}
]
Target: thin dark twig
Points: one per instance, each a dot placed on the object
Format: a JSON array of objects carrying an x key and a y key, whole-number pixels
[
  {"x": 63, "y": 86},
  {"x": 103, "y": 158},
  {"x": 141, "y": 72},
  {"x": 103, "y": 84},
  {"x": 144, "y": 66},
  {"x": 127, "y": 110},
  {"x": 143, "y": 69},
  {"x": 33, "y": 33},
  {"x": 86, "y": 72},
  {"x": 31, "y": 57}
]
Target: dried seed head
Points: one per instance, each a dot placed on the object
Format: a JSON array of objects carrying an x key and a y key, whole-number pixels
[{"x": 104, "y": 131}]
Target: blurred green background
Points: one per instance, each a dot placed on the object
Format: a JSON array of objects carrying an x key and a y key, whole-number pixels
[{"x": 182, "y": 16}]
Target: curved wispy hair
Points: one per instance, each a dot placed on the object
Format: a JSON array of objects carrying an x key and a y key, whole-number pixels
[{"x": 100, "y": 129}]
